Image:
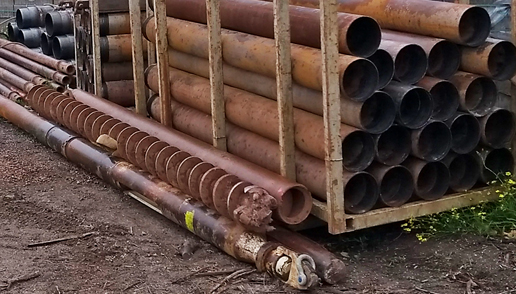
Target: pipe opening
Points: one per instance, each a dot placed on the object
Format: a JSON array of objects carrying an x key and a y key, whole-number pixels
[
  {"x": 396, "y": 186},
  {"x": 464, "y": 172},
  {"x": 360, "y": 193},
  {"x": 474, "y": 26},
  {"x": 12, "y": 31},
  {"x": 446, "y": 100},
  {"x": 499, "y": 128},
  {"x": 432, "y": 181},
  {"x": 444, "y": 60},
  {"x": 21, "y": 37},
  {"x": 410, "y": 64},
  {"x": 46, "y": 44},
  {"x": 295, "y": 206},
  {"x": 357, "y": 151},
  {"x": 465, "y": 131},
  {"x": 385, "y": 66},
  {"x": 360, "y": 44},
  {"x": 481, "y": 96},
  {"x": 378, "y": 113},
  {"x": 49, "y": 24},
  {"x": 360, "y": 80},
  {"x": 502, "y": 61},
  {"x": 393, "y": 146},
  {"x": 415, "y": 108},
  {"x": 20, "y": 17},
  {"x": 434, "y": 141},
  {"x": 497, "y": 163}
]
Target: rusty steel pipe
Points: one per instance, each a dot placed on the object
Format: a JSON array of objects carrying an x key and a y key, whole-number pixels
[
  {"x": 257, "y": 18},
  {"x": 63, "y": 47},
  {"x": 413, "y": 104},
  {"x": 497, "y": 128},
  {"x": 393, "y": 146},
  {"x": 119, "y": 92},
  {"x": 358, "y": 76},
  {"x": 385, "y": 66},
  {"x": 431, "y": 142},
  {"x": 259, "y": 115},
  {"x": 114, "y": 24},
  {"x": 374, "y": 115},
  {"x": 462, "y": 24},
  {"x": 7, "y": 91},
  {"x": 15, "y": 80},
  {"x": 22, "y": 72},
  {"x": 46, "y": 44},
  {"x": 59, "y": 23},
  {"x": 117, "y": 48},
  {"x": 30, "y": 37},
  {"x": 465, "y": 131},
  {"x": 431, "y": 179},
  {"x": 494, "y": 163},
  {"x": 410, "y": 61},
  {"x": 494, "y": 59},
  {"x": 172, "y": 203},
  {"x": 478, "y": 94},
  {"x": 33, "y": 16},
  {"x": 395, "y": 182},
  {"x": 12, "y": 31},
  {"x": 443, "y": 56},
  {"x": 116, "y": 71},
  {"x": 294, "y": 198},
  {"x": 464, "y": 171},
  {"x": 445, "y": 97}
]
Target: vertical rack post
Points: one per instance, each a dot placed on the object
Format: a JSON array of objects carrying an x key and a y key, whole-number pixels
[
  {"x": 151, "y": 49},
  {"x": 331, "y": 117},
  {"x": 218, "y": 111},
  {"x": 137, "y": 48},
  {"x": 284, "y": 88},
  {"x": 95, "y": 32},
  {"x": 513, "y": 86},
  {"x": 160, "y": 17}
]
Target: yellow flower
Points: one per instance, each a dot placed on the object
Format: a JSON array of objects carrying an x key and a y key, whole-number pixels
[
  {"x": 510, "y": 181},
  {"x": 502, "y": 196},
  {"x": 507, "y": 173}
]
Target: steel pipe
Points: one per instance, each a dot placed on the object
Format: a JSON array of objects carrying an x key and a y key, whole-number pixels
[
  {"x": 15, "y": 80},
  {"x": 46, "y": 44},
  {"x": 465, "y": 131},
  {"x": 59, "y": 23},
  {"x": 63, "y": 47},
  {"x": 462, "y": 24},
  {"x": 443, "y": 56},
  {"x": 22, "y": 72},
  {"x": 393, "y": 146},
  {"x": 495, "y": 59},
  {"x": 117, "y": 48},
  {"x": 385, "y": 66},
  {"x": 431, "y": 179},
  {"x": 395, "y": 182},
  {"x": 494, "y": 163},
  {"x": 410, "y": 61},
  {"x": 33, "y": 16},
  {"x": 114, "y": 24},
  {"x": 30, "y": 37},
  {"x": 413, "y": 104},
  {"x": 294, "y": 198},
  {"x": 431, "y": 142},
  {"x": 119, "y": 92},
  {"x": 478, "y": 94},
  {"x": 7, "y": 91},
  {"x": 118, "y": 71},
  {"x": 445, "y": 97},
  {"x": 245, "y": 15},
  {"x": 497, "y": 128},
  {"x": 12, "y": 31},
  {"x": 358, "y": 77},
  {"x": 464, "y": 171}
]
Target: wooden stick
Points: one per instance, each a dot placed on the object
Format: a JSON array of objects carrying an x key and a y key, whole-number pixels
[
  {"x": 44, "y": 243},
  {"x": 23, "y": 278},
  {"x": 235, "y": 275}
]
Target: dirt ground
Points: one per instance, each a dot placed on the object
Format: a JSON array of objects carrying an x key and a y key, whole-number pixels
[{"x": 135, "y": 250}]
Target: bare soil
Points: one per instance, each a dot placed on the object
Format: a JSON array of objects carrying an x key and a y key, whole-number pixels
[{"x": 135, "y": 250}]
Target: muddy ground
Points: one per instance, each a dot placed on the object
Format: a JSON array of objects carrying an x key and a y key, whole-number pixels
[{"x": 134, "y": 250}]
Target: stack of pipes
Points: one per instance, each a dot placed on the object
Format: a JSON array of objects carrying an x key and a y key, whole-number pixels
[{"x": 418, "y": 107}]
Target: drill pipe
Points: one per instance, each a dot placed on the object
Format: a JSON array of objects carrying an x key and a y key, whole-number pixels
[
  {"x": 410, "y": 61},
  {"x": 172, "y": 203},
  {"x": 445, "y": 97},
  {"x": 257, "y": 18},
  {"x": 431, "y": 142},
  {"x": 117, "y": 48},
  {"x": 360, "y": 188},
  {"x": 251, "y": 206},
  {"x": 478, "y": 94},
  {"x": 443, "y": 56},
  {"x": 497, "y": 128},
  {"x": 374, "y": 115},
  {"x": 23, "y": 73},
  {"x": 12, "y": 31},
  {"x": 118, "y": 71},
  {"x": 385, "y": 66},
  {"x": 431, "y": 179},
  {"x": 30, "y": 37},
  {"x": 393, "y": 146},
  {"x": 7, "y": 91},
  {"x": 294, "y": 198},
  {"x": 494, "y": 163},
  {"x": 495, "y": 59},
  {"x": 413, "y": 104},
  {"x": 465, "y": 131},
  {"x": 59, "y": 65},
  {"x": 358, "y": 76},
  {"x": 114, "y": 24},
  {"x": 119, "y": 92},
  {"x": 464, "y": 171},
  {"x": 46, "y": 44},
  {"x": 395, "y": 182},
  {"x": 59, "y": 23},
  {"x": 33, "y": 16},
  {"x": 462, "y": 24},
  {"x": 15, "y": 80},
  {"x": 35, "y": 67},
  {"x": 260, "y": 115},
  {"x": 63, "y": 47}
]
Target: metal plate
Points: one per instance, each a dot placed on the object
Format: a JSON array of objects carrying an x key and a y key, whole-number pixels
[
  {"x": 161, "y": 161},
  {"x": 132, "y": 142},
  {"x": 194, "y": 179},
  {"x": 183, "y": 172},
  {"x": 151, "y": 154},
  {"x": 141, "y": 150},
  {"x": 221, "y": 191},
  {"x": 208, "y": 180}
]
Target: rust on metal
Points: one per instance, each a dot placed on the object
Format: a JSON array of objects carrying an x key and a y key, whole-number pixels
[
  {"x": 445, "y": 97},
  {"x": 140, "y": 97},
  {"x": 410, "y": 60},
  {"x": 413, "y": 104},
  {"x": 478, "y": 94},
  {"x": 465, "y": 131},
  {"x": 494, "y": 59},
  {"x": 497, "y": 128}
]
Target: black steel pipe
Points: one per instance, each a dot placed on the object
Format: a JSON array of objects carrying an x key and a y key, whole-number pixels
[
  {"x": 495, "y": 59},
  {"x": 33, "y": 16},
  {"x": 395, "y": 182},
  {"x": 414, "y": 104},
  {"x": 63, "y": 47},
  {"x": 465, "y": 131},
  {"x": 445, "y": 97},
  {"x": 12, "y": 31},
  {"x": 464, "y": 171},
  {"x": 410, "y": 61},
  {"x": 30, "y": 37},
  {"x": 393, "y": 146},
  {"x": 385, "y": 65},
  {"x": 431, "y": 142},
  {"x": 431, "y": 179},
  {"x": 478, "y": 94},
  {"x": 494, "y": 163},
  {"x": 497, "y": 128},
  {"x": 46, "y": 44},
  {"x": 59, "y": 23}
]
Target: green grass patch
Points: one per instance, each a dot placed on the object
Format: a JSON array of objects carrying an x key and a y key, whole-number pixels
[{"x": 487, "y": 219}]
